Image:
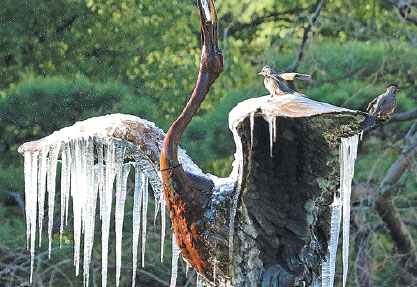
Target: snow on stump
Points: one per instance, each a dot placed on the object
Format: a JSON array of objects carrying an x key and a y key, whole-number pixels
[{"x": 295, "y": 170}]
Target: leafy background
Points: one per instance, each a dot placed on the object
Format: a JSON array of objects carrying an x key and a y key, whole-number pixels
[{"x": 66, "y": 60}]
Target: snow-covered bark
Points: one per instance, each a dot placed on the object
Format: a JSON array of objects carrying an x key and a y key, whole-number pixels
[{"x": 92, "y": 155}]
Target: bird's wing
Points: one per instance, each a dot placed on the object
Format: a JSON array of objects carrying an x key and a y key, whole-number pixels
[
  {"x": 293, "y": 76},
  {"x": 371, "y": 104},
  {"x": 276, "y": 77}
]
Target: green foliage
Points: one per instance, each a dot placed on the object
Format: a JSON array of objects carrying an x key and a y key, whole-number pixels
[
  {"x": 349, "y": 75},
  {"x": 62, "y": 61},
  {"x": 37, "y": 106}
]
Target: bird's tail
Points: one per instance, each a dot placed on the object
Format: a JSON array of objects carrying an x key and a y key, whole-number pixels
[{"x": 368, "y": 122}]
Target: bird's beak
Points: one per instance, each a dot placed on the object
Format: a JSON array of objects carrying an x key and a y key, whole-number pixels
[{"x": 260, "y": 73}]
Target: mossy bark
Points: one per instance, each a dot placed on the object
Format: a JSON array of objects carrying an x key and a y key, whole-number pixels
[{"x": 283, "y": 219}]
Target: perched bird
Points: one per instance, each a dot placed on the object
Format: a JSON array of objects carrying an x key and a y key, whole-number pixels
[
  {"x": 381, "y": 107},
  {"x": 275, "y": 83}
]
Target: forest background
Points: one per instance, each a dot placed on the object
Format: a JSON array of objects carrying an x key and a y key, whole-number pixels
[{"x": 62, "y": 61}]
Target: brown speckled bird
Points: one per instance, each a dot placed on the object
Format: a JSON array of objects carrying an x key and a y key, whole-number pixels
[
  {"x": 382, "y": 106},
  {"x": 275, "y": 83}
]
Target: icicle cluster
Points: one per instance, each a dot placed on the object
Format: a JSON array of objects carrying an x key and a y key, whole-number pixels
[
  {"x": 91, "y": 170},
  {"x": 340, "y": 209}
]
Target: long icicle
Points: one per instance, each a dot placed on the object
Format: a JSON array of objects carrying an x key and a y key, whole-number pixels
[
  {"x": 174, "y": 264},
  {"x": 137, "y": 205},
  {"x": 78, "y": 199},
  {"x": 328, "y": 267},
  {"x": 51, "y": 185},
  {"x": 43, "y": 163},
  {"x": 120, "y": 206},
  {"x": 89, "y": 210},
  {"x": 65, "y": 186},
  {"x": 106, "y": 208},
  {"x": 144, "y": 214},
  {"x": 348, "y": 150},
  {"x": 163, "y": 226},
  {"x": 31, "y": 193}
]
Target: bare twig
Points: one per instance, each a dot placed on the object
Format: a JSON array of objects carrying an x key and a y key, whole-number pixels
[
  {"x": 255, "y": 22},
  {"x": 293, "y": 67}
]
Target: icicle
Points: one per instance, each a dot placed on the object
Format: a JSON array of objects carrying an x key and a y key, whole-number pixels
[
  {"x": 51, "y": 175},
  {"x": 157, "y": 207},
  {"x": 174, "y": 265},
  {"x": 28, "y": 193},
  {"x": 101, "y": 175},
  {"x": 65, "y": 186},
  {"x": 89, "y": 209},
  {"x": 163, "y": 226},
  {"x": 43, "y": 163},
  {"x": 200, "y": 280},
  {"x": 144, "y": 214},
  {"x": 137, "y": 204},
  {"x": 78, "y": 191},
  {"x": 187, "y": 267},
  {"x": 272, "y": 122},
  {"x": 67, "y": 150},
  {"x": 252, "y": 126},
  {"x": 106, "y": 208},
  {"x": 348, "y": 153},
  {"x": 31, "y": 193},
  {"x": 119, "y": 215},
  {"x": 328, "y": 267}
]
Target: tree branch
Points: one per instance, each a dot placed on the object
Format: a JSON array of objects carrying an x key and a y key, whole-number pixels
[
  {"x": 400, "y": 117},
  {"x": 293, "y": 67},
  {"x": 387, "y": 190},
  {"x": 272, "y": 17},
  {"x": 404, "y": 9}
]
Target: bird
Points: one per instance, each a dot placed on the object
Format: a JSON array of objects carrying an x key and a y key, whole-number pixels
[
  {"x": 381, "y": 107},
  {"x": 275, "y": 83}
]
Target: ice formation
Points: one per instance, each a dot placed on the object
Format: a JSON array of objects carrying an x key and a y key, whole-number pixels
[
  {"x": 295, "y": 107},
  {"x": 93, "y": 169},
  {"x": 340, "y": 211},
  {"x": 93, "y": 166},
  {"x": 174, "y": 266}
]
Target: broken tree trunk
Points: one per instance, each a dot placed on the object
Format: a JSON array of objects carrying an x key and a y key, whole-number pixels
[{"x": 282, "y": 223}]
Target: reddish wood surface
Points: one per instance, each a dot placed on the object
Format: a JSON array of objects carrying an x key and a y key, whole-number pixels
[{"x": 185, "y": 194}]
